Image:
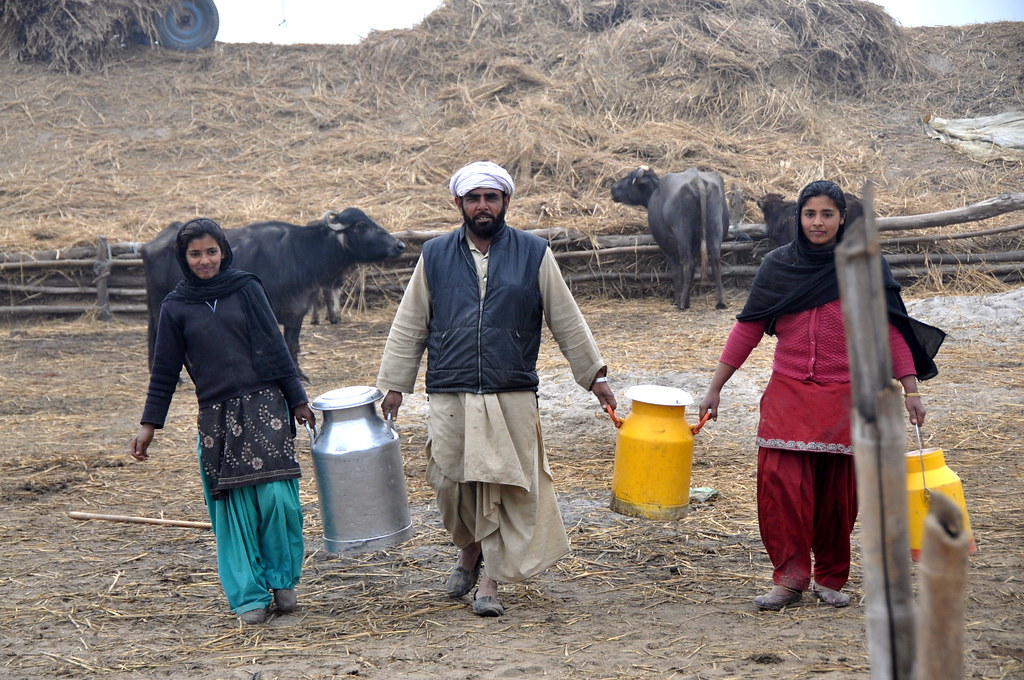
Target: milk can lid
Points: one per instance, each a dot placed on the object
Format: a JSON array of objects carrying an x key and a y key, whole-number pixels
[
  {"x": 659, "y": 395},
  {"x": 347, "y": 397}
]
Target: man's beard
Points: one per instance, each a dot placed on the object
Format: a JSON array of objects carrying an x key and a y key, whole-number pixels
[{"x": 488, "y": 229}]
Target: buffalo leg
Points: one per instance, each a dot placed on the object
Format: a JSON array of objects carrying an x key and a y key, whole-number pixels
[
  {"x": 332, "y": 300},
  {"x": 684, "y": 281},
  {"x": 688, "y": 268},
  {"x": 715, "y": 262},
  {"x": 314, "y": 312}
]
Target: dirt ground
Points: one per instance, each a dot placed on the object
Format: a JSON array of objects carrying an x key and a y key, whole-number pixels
[
  {"x": 634, "y": 599},
  {"x": 251, "y": 132}
]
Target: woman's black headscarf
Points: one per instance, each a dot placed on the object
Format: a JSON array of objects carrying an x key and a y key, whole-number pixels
[
  {"x": 797, "y": 276},
  {"x": 270, "y": 355}
]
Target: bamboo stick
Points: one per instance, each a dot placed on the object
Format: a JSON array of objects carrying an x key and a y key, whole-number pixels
[
  {"x": 73, "y": 514},
  {"x": 943, "y": 570}
]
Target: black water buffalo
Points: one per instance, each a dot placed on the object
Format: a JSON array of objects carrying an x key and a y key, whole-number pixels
[
  {"x": 780, "y": 221},
  {"x": 779, "y": 218},
  {"x": 294, "y": 262},
  {"x": 684, "y": 210}
]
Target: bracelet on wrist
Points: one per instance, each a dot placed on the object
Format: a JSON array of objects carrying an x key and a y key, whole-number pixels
[
  {"x": 911, "y": 394},
  {"x": 598, "y": 380}
]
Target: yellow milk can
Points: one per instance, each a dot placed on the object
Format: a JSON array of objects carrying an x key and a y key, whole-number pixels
[
  {"x": 654, "y": 454},
  {"x": 927, "y": 472}
]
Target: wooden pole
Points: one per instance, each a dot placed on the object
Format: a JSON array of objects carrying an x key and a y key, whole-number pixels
[
  {"x": 30, "y": 265},
  {"x": 140, "y": 520},
  {"x": 990, "y": 207},
  {"x": 907, "y": 240},
  {"x": 943, "y": 571},
  {"x": 27, "y": 310},
  {"x": 102, "y": 272},
  {"x": 879, "y": 446},
  {"x": 73, "y": 290}
]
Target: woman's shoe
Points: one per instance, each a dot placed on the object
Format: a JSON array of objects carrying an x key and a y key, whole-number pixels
[
  {"x": 777, "y": 598},
  {"x": 254, "y": 616},
  {"x": 487, "y": 605},
  {"x": 285, "y": 600},
  {"x": 833, "y": 597},
  {"x": 462, "y": 580}
]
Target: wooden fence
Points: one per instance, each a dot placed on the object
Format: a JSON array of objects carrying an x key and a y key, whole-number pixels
[{"x": 108, "y": 279}]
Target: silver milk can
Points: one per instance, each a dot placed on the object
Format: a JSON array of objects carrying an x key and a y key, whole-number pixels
[{"x": 359, "y": 474}]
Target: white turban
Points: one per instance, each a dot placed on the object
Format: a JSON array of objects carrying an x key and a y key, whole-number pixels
[{"x": 481, "y": 175}]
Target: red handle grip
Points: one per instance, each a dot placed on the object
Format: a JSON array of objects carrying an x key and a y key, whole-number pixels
[
  {"x": 703, "y": 421},
  {"x": 611, "y": 412}
]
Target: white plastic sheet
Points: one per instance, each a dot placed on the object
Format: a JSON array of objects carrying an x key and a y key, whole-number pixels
[{"x": 988, "y": 138}]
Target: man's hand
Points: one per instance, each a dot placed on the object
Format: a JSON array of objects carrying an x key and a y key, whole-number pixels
[
  {"x": 604, "y": 394},
  {"x": 390, "y": 405}
]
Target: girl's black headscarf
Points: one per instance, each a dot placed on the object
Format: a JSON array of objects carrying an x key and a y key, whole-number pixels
[
  {"x": 796, "y": 277},
  {"x": 270, "y": 355}
]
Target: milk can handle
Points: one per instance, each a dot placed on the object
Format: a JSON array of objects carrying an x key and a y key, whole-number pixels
[
  {"x": 311, "y": 431},
  {"x": 391, "y": 425},
  {"x": 611, "y": 412},
  {"x": 703, "y": 421},
  {"x": 926, "y": 492}
]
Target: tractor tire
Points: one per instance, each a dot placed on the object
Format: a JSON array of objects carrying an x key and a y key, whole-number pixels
[{"x": 187, "y": 25}]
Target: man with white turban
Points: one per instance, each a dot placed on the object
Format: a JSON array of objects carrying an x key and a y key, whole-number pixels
[{"x": 475, "y": 303}]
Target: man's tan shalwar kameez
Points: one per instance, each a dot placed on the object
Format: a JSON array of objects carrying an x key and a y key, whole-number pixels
[{"x": 485, "y": 453}]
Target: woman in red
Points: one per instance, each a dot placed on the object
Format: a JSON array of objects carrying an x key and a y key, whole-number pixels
[{"x": 806, "y": 483}]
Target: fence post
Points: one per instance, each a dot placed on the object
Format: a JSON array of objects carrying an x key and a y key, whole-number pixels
[
  {"x": 879, "y": 443},
  {"x": 102, "y": 271}
]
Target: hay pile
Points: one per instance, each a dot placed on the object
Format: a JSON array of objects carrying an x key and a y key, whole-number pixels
[
  {"x": 71, "y": 35},
  {"x": 676, "y": 79},
  {"x": 569, "y": 95}
]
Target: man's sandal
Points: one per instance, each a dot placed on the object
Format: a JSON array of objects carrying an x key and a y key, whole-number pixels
[
  {"x": 462, "y": 580},
  {"x": 487, "y": 605}
]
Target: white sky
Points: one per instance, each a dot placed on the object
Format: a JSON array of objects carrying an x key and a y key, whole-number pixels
[{"x": 348, "y": 21}]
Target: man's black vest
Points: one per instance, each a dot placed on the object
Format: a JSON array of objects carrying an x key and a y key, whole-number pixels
[{"x": 484, "y": 345}]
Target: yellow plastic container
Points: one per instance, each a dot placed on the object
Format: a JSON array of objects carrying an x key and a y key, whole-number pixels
[
  {"x": 927, "y": 472},
  {"x": 654, "y": 455}
]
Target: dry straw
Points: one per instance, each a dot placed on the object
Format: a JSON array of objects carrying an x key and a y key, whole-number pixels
[
  {"x": 569, "y": 95},
  {"x": 72, "y": 35}
]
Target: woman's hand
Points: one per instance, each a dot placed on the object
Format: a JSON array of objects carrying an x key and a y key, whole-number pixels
[
  {"x": 912, "y": 399},
  {"x": 304, "y": 415},
  {"x": 709, "y": 404},
  {"x": 915, "y": 409},
  {"x": 141, "y": 441}
]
